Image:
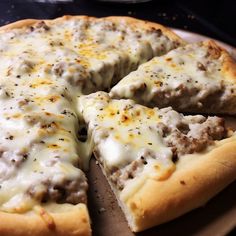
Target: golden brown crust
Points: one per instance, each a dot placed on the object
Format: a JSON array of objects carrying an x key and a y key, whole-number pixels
[
  {"x": 196, "y": 179},
  {"x": 116, "y": 19},
  {"x": 146, "y": 25},
  {"x": 29, "y": 22},
  {"x": 228, "y": 68},
  {"x": 74, "y": 222}
]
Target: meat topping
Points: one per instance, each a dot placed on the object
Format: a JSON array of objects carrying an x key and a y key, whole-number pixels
[{"x": 65, "y": 190}]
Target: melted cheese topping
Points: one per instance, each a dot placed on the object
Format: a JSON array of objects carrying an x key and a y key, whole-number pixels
[
  {"x": 44, "y": 68},
  {"x": 183, "y": 78},
  {"x": 124, "y": 132}
]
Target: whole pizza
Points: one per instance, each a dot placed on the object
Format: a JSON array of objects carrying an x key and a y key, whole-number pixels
[{"x": 113, "y": 88}]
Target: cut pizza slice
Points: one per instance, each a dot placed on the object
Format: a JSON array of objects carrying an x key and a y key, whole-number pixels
[
  {"x": 197, "y": 78},
  {"x": 159, "y": 163},
  {"x": 42, "y": 185}
]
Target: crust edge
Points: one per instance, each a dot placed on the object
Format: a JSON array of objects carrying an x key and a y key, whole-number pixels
[
  {"x": 130, "y": 20},
  {"x": 74, "y": 222},
  {"x": 192, "y": 184},
  {"x": 228, "y": 68}
]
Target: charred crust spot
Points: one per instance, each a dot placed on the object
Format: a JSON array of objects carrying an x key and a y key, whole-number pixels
[{"x": 43, "y": 25}]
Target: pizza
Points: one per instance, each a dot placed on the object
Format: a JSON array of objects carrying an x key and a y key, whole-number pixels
[
  {"x": 197, "y": 78},
  {"x": 55, "y": 79}
]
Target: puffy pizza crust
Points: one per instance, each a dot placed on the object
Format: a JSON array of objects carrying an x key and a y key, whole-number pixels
[
  {"x": 146, "y": 25},
  {"x": 228, "y": 68},
  {"x": 196, "y": 179},
  {"x": 136, "y": 23},
  {"x": 74, "y": 222}
]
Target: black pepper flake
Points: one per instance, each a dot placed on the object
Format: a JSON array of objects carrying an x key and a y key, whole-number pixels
[
  {"x": 61, "y": 139},
  {"x": 64, "y": 112},
  {"x": 42, "y": 141},
  {"x": 149, "y": 143},
  {"x": 182, "y": 182},
  {"x": 143, "y": 160},
  {"x": 25, "y": 156},
  {"x": 201, "y": 66},
  {"x": 11, "y": 137},
  {"x": 18, "y": 76}
]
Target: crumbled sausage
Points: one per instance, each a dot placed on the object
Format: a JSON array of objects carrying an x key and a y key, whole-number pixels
[
  {"x": 183, "y": 134},
  {"x": 63, "y": 191},
  {"x": 120, "y": 176},
  {"x": 192, "y": 133}
]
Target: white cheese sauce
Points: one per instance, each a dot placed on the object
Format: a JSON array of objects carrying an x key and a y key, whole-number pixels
[
  {"x": 124, "y": 132},
  {"x": 187, "y": 77},
  {"x": 44, "y": 69}
]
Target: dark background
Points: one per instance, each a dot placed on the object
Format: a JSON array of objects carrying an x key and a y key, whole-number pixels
[{"x": 216, "y": 19}]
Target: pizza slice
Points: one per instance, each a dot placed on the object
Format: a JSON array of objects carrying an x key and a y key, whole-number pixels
[
  {"x": 197, "y": 78},
  {"x": 159, "y": 163},
  {"x": 42, "y": 185}
]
